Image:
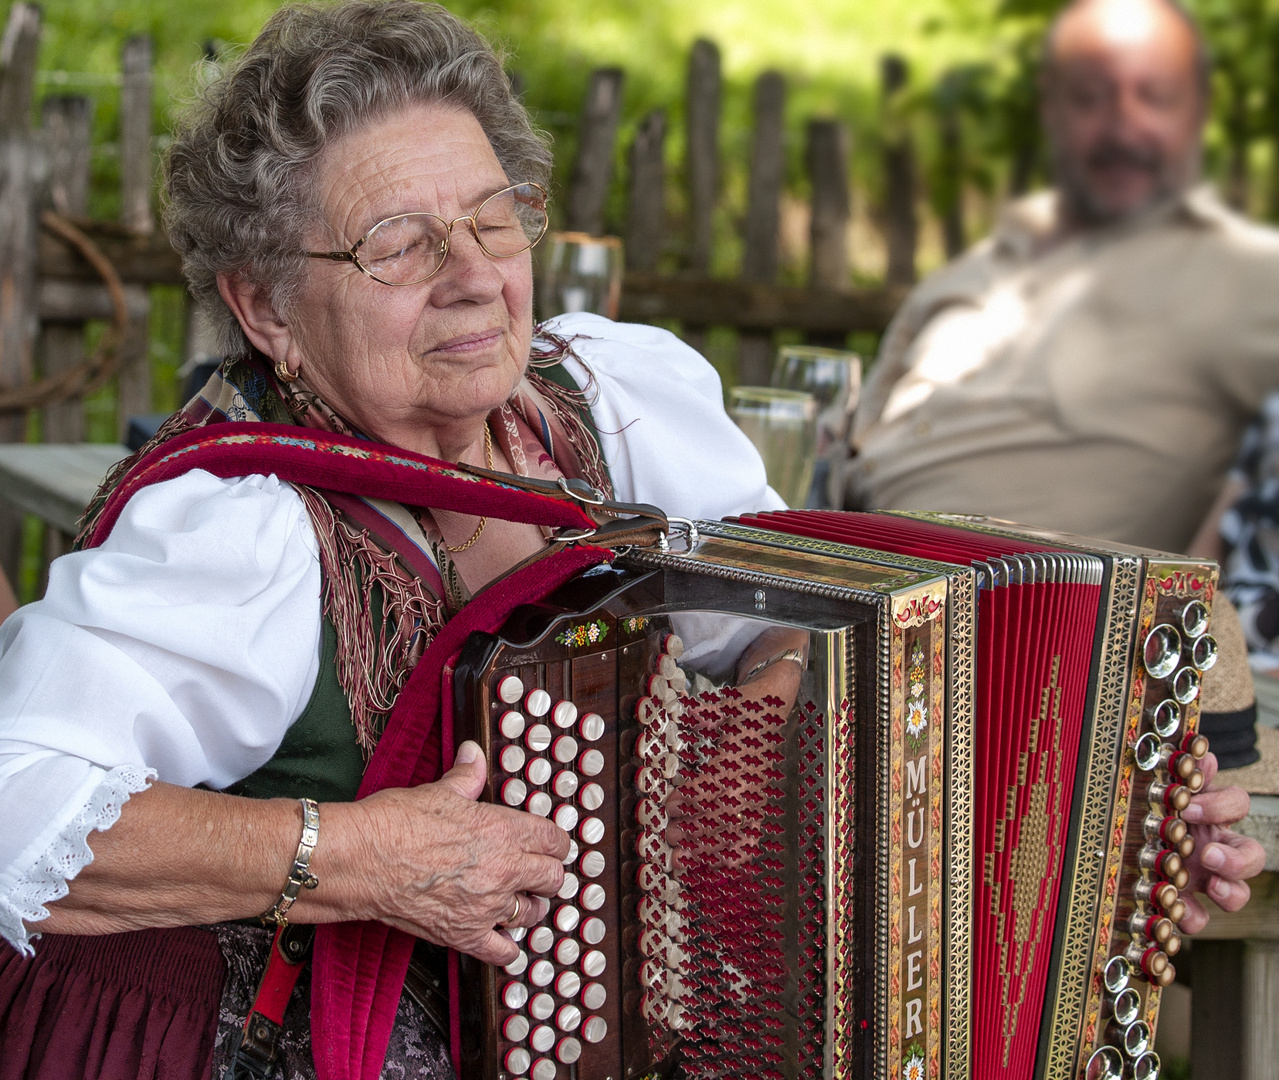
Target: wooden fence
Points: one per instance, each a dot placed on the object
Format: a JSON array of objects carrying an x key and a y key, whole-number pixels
[{"x": 49, "y": 290}]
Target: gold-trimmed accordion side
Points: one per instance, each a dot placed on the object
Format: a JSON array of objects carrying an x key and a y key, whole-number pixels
[{"x": 941, "y": 838}]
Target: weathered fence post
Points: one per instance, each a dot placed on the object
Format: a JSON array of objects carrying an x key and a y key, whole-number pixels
[
  {"x": 950, "y": 167},
  {"x": 66, "y": 125},
  {"x": 701, "y": 129},
  {"x": 646, "y": 219},
  {"x": 763, "y": 210},
  {"x": 901, "y": 227},
  {"x": 136, "y": 169},
  {"x": 593, "y": 168},
  {"x": 827, "y": 158},
  {"x": 21, "y": 172}
]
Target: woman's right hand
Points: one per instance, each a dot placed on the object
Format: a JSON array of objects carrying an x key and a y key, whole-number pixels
[{"x": 434, "y": 862}]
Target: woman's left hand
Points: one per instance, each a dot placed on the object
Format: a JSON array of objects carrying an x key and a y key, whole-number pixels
[{"x": 1222, "y": 860}]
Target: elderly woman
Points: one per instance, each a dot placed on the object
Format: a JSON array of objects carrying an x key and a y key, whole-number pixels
[{"x": 355, "y": 199}]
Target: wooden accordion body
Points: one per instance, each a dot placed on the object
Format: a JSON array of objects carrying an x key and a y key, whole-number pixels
[{"x": 955, "y": 853}]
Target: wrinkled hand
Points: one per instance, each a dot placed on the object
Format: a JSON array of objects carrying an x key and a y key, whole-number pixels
[
  {"x": 1222, "y": 860},
  {"x": 449, "y": 869}
]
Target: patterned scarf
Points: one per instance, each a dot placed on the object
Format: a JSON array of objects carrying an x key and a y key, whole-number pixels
[{"x": 389, "y": 581}]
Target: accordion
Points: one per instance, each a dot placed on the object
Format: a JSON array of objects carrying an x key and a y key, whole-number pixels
[{"x": 933, "y": 832}]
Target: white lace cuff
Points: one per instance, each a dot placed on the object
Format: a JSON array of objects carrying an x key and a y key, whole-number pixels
[{"x": 67, "y": 855}]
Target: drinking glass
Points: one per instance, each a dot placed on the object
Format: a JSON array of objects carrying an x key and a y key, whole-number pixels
[
  {"x": 833, "y": 377},
  {"x": 580, "y": 273},
  {"x": 783, "y": 426}
]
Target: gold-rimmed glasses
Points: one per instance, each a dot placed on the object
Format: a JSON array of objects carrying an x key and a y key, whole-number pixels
[{"x": 409, "y": 248}]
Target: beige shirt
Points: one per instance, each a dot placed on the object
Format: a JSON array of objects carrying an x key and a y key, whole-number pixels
[{"x": 1099, "y": 385}]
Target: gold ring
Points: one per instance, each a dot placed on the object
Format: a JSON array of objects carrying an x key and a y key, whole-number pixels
[{"x": 515, "y": 915}]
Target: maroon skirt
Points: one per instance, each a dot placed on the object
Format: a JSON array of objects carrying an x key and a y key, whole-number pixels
[{"x": 116, "y": 1007}]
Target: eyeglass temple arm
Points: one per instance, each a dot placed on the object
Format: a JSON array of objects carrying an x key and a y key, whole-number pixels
[{"x": 336, "y": 256}]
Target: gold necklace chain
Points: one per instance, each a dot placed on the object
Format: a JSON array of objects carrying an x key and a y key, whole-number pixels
[{"x": 488, "y": 463}]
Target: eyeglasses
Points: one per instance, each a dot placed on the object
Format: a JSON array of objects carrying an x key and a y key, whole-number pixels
[{"x": 410, "y": 248}]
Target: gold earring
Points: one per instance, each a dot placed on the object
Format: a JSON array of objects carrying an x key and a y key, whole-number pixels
[{"x": 283, "y": 373}]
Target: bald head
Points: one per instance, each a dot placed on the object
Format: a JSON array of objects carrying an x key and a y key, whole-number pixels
[{"x": 1124, "y": 99}]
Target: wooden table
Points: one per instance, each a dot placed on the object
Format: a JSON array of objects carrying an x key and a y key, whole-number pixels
[{"x": 55, "y": 481}]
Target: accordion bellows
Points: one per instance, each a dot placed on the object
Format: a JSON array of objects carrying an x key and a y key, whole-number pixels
[{"x": 949, "y": 846}]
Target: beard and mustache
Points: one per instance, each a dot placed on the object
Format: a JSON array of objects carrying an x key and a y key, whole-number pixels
[{"x": 1088, "y": 205}]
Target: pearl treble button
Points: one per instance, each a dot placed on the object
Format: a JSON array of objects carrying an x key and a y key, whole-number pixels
[
  {"x": 592, "y": 897},
  {"x": 511, "y": 759},
  {"x": 541, "y": 973},
  {"x": 514, "y": 994},
  {"x": 592, "y": 864},
  {"x": 515, "y": 1029},
  {"x": 568, "y": 1018},
  {"x": 591, "y": 831},
  {"x": 543, "y": 1069},
  {"x": 571, "y": 857},
  {"x": 564, "y": 714},
  {"x": 591, "y": 763},
  {"x": 593, "y": 964},
  {"x": 543, "y": 1038},
  {"x": 538, "y": 702},
  {"x": 513, "y": 792},
  {"x": 519, "y": 965},
  {"x": 566, "y": 918},
  {"x": 516, "y": 1061},
  {"x": 568, "y": 983},
  {"x": 569, "y": 889},
  {"x": 541, "y": 939},
  {"x": 539, "y": 803},
  {"x": 537, "y": 738},
  {"x": 564, "y": 749},
  {"x": 510, "y": 689},
  {"x": 591, "y": 797},
  {"x": 595, "y": 1029},
  {"x": 541, "y": 1006},
  {"x": 591, "y": 727},
  {"x": 566, "y": 816},
  {"x": 567, "y": 951},
  {"x": 593, "y": 931},
  {"x": 594, "y": 995},
  {"x": 565, "y": 783},
  {"x": 568, "y": 1051},
  {"x": 538, "y": 770},
  {"x": 511, "y": 724}
]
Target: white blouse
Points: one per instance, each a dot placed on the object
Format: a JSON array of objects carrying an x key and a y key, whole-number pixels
[{"x": 185, "y": 646}]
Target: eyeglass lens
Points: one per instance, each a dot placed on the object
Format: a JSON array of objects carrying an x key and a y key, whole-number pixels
[{"x": 405, "y": 249}]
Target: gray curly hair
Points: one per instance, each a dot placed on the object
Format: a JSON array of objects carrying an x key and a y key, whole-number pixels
[{"x": 239, "y": 171}]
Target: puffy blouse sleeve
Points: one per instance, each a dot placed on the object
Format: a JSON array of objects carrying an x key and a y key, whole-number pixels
[
  {"x": 181, "y": 649},
  {"x": 659, "y": 408}
]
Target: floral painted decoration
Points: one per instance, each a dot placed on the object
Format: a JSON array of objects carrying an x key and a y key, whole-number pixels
[{"x": 591, "y": 633}]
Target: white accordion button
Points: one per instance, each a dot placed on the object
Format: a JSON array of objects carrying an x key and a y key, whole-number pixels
[
  {"x": 595, "y": 1028},
  {"x": 567, "y": 950},
  {"x": 541, "y": 973},
  {"x": 564, "y": 714},
  {"x": 592, "y": 864},
  {"x": 511, "y": 724},
  {"x": 593, "y": 964},
  {"x": 564, "y": 749},
  {"x": 511, "y": 759},
  {"x": 651, "y": 814},
  {"x": 568, "y": 1051},
  {"x": 510, "y": 689},
  {"x": 519, "y": 965},
  {"x": 591, "y": 763},
  {"x": 566, "y": 918},
  {"x": 571, "y": 857},
  {"x": 538, "y": 771},
  {"x": 594, "y": 995},
  {"x": 513, "y": 792},
  {"x": 653, "y": 849},
  {"x": 569, "y": 1018},
  {"x": 514, "y": 994},
  {"x": 649, "y": 745},
  {"x": 593, "y": 930},
  {"x": 566, "y": 816},
  {"x": 541, "y": 938},
  {"x": 648, "y": 711},
  {"x": 653, "y": 974},
  {"x": 658, "y": 687},
  {"x": 538, "y": 702},
  {"x": 516, "y": 933},
  {"x": 541, "y": 1006},
  {"x": 651, "y": 782},
  {"x": 565, "y": 783},
  {"x": 673, "y": 645},
  {"x": 568, "y": 983},
  {"x": 569, "y": 889},
  {"x": 670, "y": 766},
  {"x": 543, "y": 1038},
  {"x": 537, "y": 738},
  {"x": 516, "y": 1061},
  {"x": 543, "y": 1069},
  {"x": 592, "y": 727},
  {"x": 592, "y": 897},
  {"x": 653, "y": 1008},
  {"x": 591, "y": 797},
  {"x": 515, "y": 1029},
  {"x": 539, "y": 803},
  {"x": 591, "y": 831},
  {"x": 666, "y": 667}
]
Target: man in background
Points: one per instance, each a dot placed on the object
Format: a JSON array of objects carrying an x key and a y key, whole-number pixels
[{"x": 1092, "y": 366}]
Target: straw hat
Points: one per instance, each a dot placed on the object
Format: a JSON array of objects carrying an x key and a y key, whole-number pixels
[{"x": 1228, "y": 689}]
